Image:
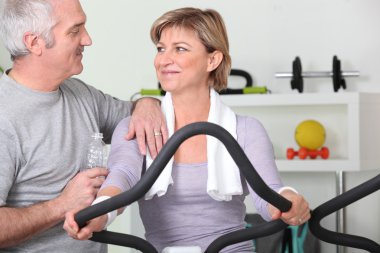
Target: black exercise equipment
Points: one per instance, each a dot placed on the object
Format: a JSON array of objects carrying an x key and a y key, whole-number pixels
[
  {"x": 338, "y": 80},
  {"x": 147, "y": 180},
  {"x": 297, "y": 80},
  {"x": 248, "y": 89},
  {"x": 340, "y": 202},
  {"x": 336, "y": 74},
  {"x": 243, "y": 73}
]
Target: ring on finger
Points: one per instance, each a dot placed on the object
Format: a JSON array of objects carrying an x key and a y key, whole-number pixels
[{"x": 157, "y": 133}]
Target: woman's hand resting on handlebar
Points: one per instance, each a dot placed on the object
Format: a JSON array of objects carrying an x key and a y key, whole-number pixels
[
  {"x": 85, "y": 233},
  {"x": 94, "y": 225},
  {"x": 298, "y": 214}
]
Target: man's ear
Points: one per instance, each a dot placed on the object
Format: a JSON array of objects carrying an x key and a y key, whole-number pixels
[
  {"x": 33, "y": 43},
  {"x": 215, "y": 58}
]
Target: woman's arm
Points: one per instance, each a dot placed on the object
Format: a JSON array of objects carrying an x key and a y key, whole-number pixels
[
  {"x": 125, "y": 165},
  {"x": 257, "y": 146},
  {"x": 259, "y": 150}
]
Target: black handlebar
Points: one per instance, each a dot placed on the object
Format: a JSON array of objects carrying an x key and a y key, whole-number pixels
[
  {"x": 150, "y": 176},
  {"x": 124, "y": 240},
  {"x": 337, "y": 203},
  {"x": 259, "y": 230}
]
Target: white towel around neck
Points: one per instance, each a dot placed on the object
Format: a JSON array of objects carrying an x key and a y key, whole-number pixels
[{"x": 223, "y": 174}]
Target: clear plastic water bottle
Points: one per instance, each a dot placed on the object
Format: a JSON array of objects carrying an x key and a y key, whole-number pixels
[{"x": 97, "y": 152}]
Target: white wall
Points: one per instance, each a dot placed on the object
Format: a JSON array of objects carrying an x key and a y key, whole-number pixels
[{"x": 265, "y": 37}]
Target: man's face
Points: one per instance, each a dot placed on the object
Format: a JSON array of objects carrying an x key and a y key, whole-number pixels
[{"x": 70, "y": 35}]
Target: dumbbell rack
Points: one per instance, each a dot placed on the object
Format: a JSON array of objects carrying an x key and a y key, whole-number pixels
[{"x": 354, "y": 143}]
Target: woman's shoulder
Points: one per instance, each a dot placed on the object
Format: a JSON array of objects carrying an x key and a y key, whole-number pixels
[
  {"x": 249, "y": 130},
  {"x": 123, "y": 125},
  {"x": 245, "y": 123}
]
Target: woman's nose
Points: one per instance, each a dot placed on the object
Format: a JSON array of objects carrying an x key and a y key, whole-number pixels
[{"x": 165, "y": 58}]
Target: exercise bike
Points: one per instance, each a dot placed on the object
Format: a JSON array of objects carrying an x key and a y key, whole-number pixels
[
  {"x": 147, "y": 180},
  {"x": 253, "y": 179}
]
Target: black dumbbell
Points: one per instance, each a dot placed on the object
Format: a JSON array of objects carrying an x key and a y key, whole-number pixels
[{"x": 336, "y": 74}]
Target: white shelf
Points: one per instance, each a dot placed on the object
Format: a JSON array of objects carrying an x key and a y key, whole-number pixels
[
  {"x": 300, "y": 99},
  {"x": 351, "y": 120}
]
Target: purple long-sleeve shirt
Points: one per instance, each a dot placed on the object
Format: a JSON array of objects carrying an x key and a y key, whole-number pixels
[{"x": 186, "y": 215}]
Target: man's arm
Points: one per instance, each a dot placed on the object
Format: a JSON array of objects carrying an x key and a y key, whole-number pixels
[
  {"x": 148, "y": 124},
  {"x": 21, "y": 224}
]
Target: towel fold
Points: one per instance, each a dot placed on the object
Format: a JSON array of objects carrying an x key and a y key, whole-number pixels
[{"x": 223, "y": 174}]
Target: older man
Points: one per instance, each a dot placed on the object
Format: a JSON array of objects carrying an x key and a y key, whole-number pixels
[{"x": 46, "y": 118}]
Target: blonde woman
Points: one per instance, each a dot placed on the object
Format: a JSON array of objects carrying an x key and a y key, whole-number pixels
[{"x": 200, "y": 194}]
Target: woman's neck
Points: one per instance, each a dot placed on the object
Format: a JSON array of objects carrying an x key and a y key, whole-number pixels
[{"x": 189, "y": 108}]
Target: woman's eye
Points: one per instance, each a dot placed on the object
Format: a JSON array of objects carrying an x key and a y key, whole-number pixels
[
  {"x": 160, "y": 49},
  {"x": 181, "y": 49}
]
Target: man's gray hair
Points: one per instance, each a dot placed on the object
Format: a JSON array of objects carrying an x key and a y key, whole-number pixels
[{"x": 20, "y": 16}]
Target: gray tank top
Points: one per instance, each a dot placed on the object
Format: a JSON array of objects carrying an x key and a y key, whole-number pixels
[{"x": 173, "y": 224}]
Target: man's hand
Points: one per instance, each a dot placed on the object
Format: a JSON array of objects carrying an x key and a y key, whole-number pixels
[
  {"x": 297, "y": 215},
  {"x": 82, "y": 189},
  {"x": 23, "y": 223},
  {"x": 148, "y": 124}
]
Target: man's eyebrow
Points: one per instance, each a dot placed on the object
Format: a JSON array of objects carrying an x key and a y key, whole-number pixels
[
  {"x": 78, "y": 25},
  {"x": 74, "y": 27}
]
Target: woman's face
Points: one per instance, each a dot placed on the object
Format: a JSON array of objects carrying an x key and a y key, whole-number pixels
[{"x": 182, "y": 62}]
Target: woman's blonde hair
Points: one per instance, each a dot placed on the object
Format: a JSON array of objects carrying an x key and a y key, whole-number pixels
[{"x": 210, "y": 28}]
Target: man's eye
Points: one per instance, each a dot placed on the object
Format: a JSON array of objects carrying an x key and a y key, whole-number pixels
[{"x": 75, "y": 30}]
